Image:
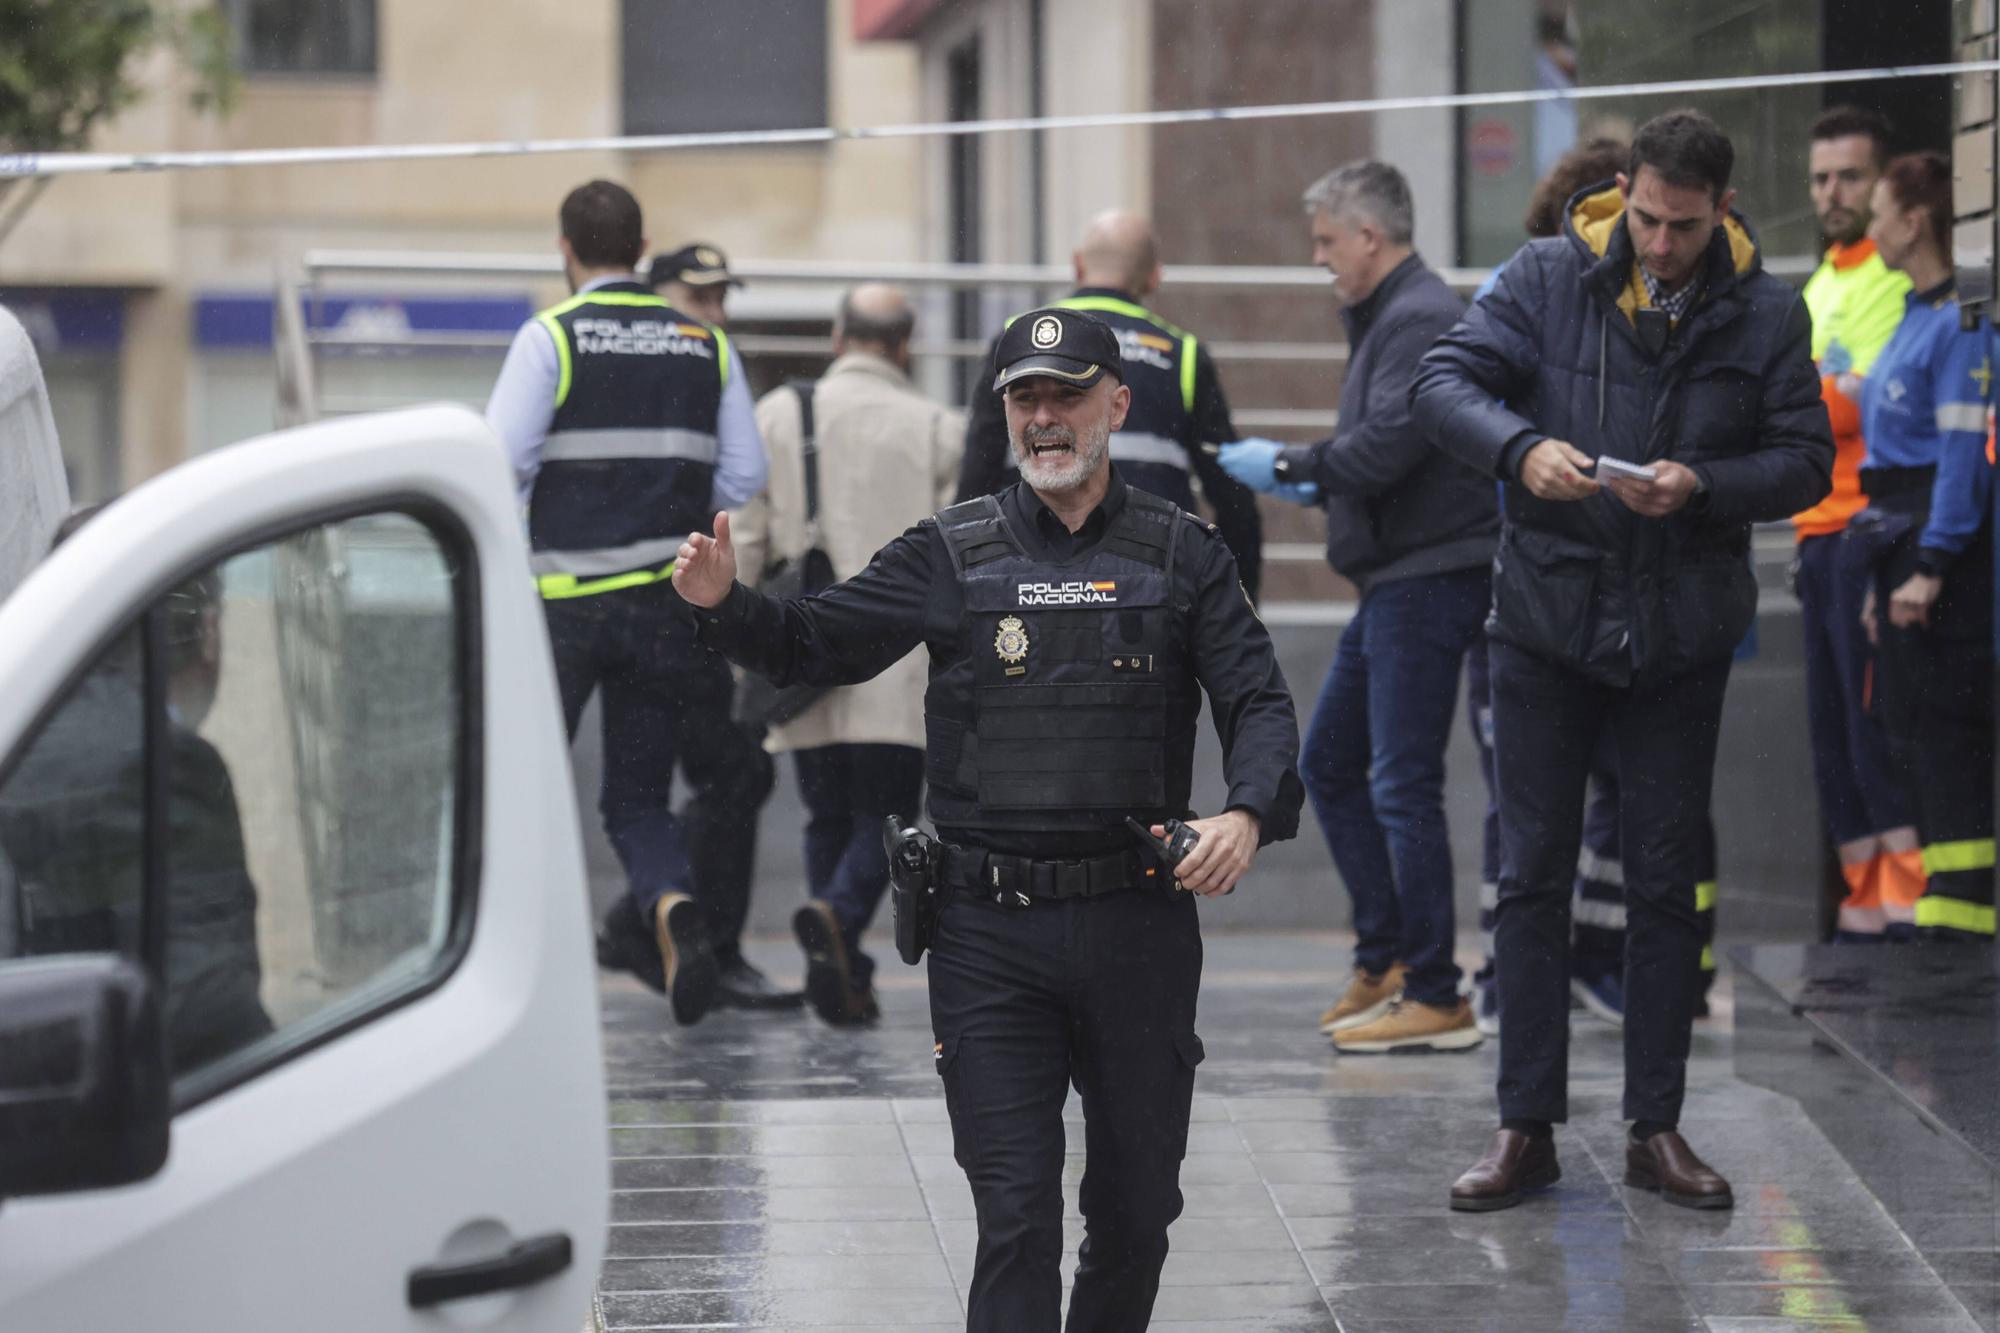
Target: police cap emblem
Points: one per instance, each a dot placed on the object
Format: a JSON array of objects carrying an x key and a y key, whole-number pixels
[
  {"x": 1011, "y": 643},
  {"x": 706, "y": 257},
  {"x": 1047, "y": 331}
]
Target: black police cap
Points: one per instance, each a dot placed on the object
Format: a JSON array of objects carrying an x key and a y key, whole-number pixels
[
  {"x": 1066, "y": 345},
  {"x": 696, "y": 265}
]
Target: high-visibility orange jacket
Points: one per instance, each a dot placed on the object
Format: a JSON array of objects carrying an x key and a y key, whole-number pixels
[{"x": 1856, "y": 302}]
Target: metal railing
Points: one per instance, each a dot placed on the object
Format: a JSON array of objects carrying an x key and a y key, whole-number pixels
[{"x": 298, "y": 338}]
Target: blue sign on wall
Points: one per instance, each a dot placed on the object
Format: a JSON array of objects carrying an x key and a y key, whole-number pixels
[
  {"x": 243, "y": 322},
  {"x": 68, "y": 319}
]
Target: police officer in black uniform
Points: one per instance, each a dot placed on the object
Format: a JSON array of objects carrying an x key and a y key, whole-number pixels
[
  {"x": 1073, "y": 622},
  {"x": 1177, "y": 401}
]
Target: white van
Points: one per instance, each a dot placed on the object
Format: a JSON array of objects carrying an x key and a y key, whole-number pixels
[{"x": 298, "y": 1019}]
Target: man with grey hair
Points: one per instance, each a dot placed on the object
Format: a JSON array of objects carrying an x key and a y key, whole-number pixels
[
  {"x": 883, "y": 457},
  {"x": 1414, "y": 531},
  {"x": 1179, "y": 412}
]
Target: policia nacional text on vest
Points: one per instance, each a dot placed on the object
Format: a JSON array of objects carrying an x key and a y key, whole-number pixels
[
  {"x": 1151, "y": 449},
  {"x": 628, "y": 467}
]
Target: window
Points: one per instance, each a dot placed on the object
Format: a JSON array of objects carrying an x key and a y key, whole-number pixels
[
  {"x": 258, "y": 791},
  {"x": 304, "y": 36},
  {"x": 746, "y": 65}
]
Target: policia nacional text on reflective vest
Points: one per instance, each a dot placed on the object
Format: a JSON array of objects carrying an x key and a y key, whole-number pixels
[{"x": 628, "y": 467}]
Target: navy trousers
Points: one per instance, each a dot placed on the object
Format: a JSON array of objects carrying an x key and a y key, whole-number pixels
[
  {"x": 1092, "y": 993},
  {"x": 848, "y": 790},
  {"x": 1662, "y": 734},
  {"x": 665, "y": 701}
]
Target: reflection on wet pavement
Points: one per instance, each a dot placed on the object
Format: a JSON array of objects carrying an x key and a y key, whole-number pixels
[{"x": 773, "y": 1173}]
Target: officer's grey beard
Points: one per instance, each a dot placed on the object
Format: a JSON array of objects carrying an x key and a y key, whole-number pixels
[{"x": 1060, "y": 471}]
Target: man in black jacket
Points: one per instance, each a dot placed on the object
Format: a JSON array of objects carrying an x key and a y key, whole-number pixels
[
  {"x": 1415, "y": 531},
  {"x": 1648, "y": 336}
]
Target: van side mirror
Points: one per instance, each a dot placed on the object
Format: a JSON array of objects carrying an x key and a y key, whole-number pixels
[{"x": 83, "y": 1075}]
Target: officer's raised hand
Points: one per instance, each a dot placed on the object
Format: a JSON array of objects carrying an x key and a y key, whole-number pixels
[
  {"x": 1228, "y": 845},
  {"x": 705, "y": 569}
]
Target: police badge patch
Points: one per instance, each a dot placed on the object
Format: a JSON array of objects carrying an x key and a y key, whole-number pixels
[
  {"x": 1011, "y": 643},
  {"x": 1047, "y": 331}
]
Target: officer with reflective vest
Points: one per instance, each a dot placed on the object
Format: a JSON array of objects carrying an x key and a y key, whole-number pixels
[
  {"x": 628, "y": 423},
  {"x": 1177, "y": 401},
  {"x": 1073, "y": 623}
]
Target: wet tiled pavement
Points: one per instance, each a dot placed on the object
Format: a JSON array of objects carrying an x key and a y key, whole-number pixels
[{"x": 774, "y": 1173}]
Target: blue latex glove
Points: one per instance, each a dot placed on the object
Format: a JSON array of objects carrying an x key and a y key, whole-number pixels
[
  {"x": 1298, "y": 492},
  {"x": 1250, "y": 461}
]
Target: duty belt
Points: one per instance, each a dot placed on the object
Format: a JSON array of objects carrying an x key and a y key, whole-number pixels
[
  {"x": 1016, "y": 881},
  {"x": 1884, "y": 483}
]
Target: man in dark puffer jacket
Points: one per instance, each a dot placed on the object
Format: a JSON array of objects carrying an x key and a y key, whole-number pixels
[{"x": 1648, "y": 333}]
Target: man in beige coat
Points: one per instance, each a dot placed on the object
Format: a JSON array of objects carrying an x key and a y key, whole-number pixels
[{"x": 887, "y": 458}]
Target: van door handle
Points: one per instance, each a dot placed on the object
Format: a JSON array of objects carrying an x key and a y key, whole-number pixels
[{"x": 530, "y": 1261}]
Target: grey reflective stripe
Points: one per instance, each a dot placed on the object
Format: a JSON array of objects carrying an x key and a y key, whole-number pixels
[
  {"x": 1137, "y": 447},
  {"x": 1962, "y": 416},
  {"x": 1133, "y": 447},
  {"x": 571, "y": 446},
  {"x": 1604, "y": 916},
  {"x": 611, "y": 560},
  {"x": 1603, "y": 869}
]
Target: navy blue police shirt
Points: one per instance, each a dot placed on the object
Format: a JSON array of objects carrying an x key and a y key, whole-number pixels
[{"x": 909, "y": 596}]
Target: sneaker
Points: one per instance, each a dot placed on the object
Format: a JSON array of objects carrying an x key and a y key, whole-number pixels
[
  {"x": 1367, "y": 998},
  {"x": 1411, "y": 1025},
  {"x": 690, "y": 969},
  {"x": 1602, "y": 994},
  {"x": 1486, "y": 1007}
]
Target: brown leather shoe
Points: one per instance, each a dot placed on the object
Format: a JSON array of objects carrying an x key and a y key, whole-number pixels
[
  {"x": 1666, "y": 1165},
  {"x": 1514, "y": 1164}
]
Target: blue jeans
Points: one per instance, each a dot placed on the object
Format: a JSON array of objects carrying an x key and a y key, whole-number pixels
[
  {"x": 848, "y": 790},
  {"x": 1373, "y": 765}
]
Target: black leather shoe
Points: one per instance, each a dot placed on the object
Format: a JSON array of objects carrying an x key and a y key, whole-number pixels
[
  {"x": 829, "y": 971},
  {"x": 688, "y": 964},
  {"x": 1666, "y": 1165},
  {"x": 741, "y": 986},
  {"x": 1514, "y": 1164},
  {"x": 625, "y": 945}
]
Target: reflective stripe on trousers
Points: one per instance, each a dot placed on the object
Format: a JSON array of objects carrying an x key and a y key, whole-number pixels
[{"x": 1960, "y": 893}]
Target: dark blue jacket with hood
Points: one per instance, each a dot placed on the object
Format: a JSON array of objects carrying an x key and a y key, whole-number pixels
[{"x": 1554, "y": 351}]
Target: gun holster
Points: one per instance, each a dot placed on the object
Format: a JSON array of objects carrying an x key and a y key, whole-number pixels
[{"x": 916, "y": 886}]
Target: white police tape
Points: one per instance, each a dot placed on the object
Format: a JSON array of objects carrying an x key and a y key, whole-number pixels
[{"x": 19, "y": 165}]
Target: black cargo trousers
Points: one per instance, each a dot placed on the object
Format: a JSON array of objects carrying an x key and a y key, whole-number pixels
[{"x": 1026, "y": 1002}]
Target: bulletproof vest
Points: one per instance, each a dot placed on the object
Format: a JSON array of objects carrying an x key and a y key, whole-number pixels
[
  {"x": 1070, "y": 701},
  {"x": 1151, "y": 449},
  {"x": 628, "y": 467}
]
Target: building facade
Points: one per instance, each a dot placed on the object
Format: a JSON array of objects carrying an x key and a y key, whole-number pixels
[{"x": 151, "y": 295}]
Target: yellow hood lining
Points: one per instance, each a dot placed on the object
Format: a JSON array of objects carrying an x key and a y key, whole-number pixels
[{"x": 1596, "y": 216}]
